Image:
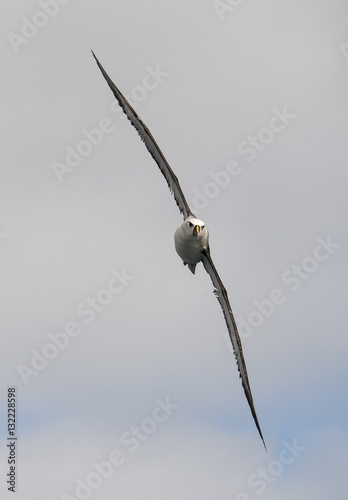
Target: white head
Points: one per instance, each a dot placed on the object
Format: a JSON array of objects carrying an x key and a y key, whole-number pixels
[{"x": 195, "y": 227}]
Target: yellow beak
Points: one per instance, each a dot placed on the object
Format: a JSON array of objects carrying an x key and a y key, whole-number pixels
[{"x": 197, "y": 231}]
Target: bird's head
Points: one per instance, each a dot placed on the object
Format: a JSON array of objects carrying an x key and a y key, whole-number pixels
[{"x": 194, "y": 227}]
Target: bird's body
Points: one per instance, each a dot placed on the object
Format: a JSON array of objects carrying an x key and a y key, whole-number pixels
[{"x": 191, "y": 238}]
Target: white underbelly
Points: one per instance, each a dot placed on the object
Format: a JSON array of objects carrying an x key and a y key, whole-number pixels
[{"x": 190, "y": 250}]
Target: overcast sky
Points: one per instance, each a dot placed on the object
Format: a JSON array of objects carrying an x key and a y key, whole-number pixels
[{"x": 126, "y": 384}]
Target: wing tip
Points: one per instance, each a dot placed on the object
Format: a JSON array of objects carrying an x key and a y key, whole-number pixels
[
  {"x": 256, "y": 420},
  {"x": 263, "y": 441}
]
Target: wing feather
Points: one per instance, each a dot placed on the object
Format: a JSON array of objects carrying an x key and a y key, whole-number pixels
[
  {"x": 221, "y": 294},
  {"x": 150, "y": 144}
]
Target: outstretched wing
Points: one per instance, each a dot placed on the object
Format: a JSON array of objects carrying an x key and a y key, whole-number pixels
[
  {"x": 222, "y": 297},
  {"x": 151, "y": 145}
]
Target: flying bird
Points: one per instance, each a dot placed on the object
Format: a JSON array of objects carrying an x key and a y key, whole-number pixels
[{"x": 191, "y": 238}]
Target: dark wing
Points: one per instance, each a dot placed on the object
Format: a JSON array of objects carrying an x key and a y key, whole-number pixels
[
  {"x": 222, "y": 297},
  {"x": 151, "y": 145}
]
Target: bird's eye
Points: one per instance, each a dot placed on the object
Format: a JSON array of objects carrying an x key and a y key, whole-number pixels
[
  {"x": 203, "y": 227},
  {"x": 190, "y": 224}
]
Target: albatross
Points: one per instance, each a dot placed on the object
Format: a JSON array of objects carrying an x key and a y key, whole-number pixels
[{"x": 191, "y": 238}]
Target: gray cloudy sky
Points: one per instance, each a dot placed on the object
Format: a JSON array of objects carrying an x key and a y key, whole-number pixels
[{"x": 126, "y": 385}]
